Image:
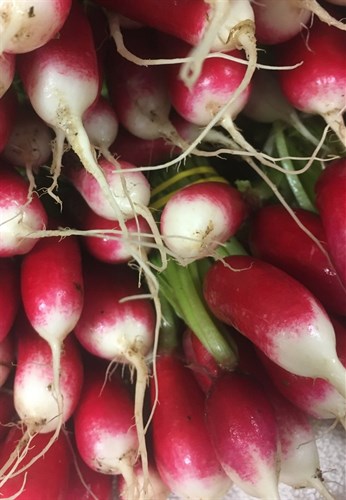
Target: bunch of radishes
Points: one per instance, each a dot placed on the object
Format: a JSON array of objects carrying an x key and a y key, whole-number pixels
[{"x": 172, "y": 246}]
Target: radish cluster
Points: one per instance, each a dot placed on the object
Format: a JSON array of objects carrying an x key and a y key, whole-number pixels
[{"x": 172, "y": 247}]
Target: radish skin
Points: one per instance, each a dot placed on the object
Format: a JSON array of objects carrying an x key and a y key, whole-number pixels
[
  {"x": 294, "y": 330},
  {"x": 9, "y": 295},
  {"x": 7, "y": 358},
  {"x": 7, "y": 69},
  {"x": 8, "y": 109}
]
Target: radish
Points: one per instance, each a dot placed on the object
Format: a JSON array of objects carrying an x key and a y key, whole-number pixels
[
  {"x": 331, "y": 202},
  {"x": 7, "y": 412},
  {"x": 216, "y": 211},
  {"x": 49, "y": 474},
  {"x": 19, "y": 217},
  {"x": 8, "y": 109},
  {"x": 87, "y": 484},
  {"x": 9, "y": 295},
  {"x": 273, "y": 234},
  {"x": 212, "y": 25},
  {"x": 7, "y": 358},
  {"x": 7, "y": 69},
  {"x": 54, "y": 305},
  {"x": 29, "y": 145},
  {"x": 241, "y": 424},
  {"x": 318, "y": 85},
  {"x": 61, "y": 80},
  {"x": 278, "y": 314},
  {"x": 34, "y": 398},
  {"x": 106, "y": 438},
  {"x": 29, "y": 24},
  {"x": 182, "y": 448},
  {"x": 117, "y": 329},
  {"x": 138, "y": 93},
  {"x": 314, "y": 396}
]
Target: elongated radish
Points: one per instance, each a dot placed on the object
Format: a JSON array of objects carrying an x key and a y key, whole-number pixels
[
  {"x": 34, "y": 398},
  {"x": 9, "y": 294},
  {"x": 29, "y": 145},
  {"x": 182, "y": 448},
  {"x": 318, "y": 85},
  {"x": 241, "y": 423},
  {"x": 8, "y": 108},
  {"x": 278, "y": 314},
  {"x": 7, "y": 69},
  {"x": 331, "y": 201},
  {"x": 106, "y": 438},
  {"x": 314, "y": 396},
  {"x": 7, "y": 412},
  {"x": 87, "y": 484},
  {"x": 7, "y": 358},
  {"x": 101, "y": 124},
  {"x": 117, "y": 329},
  {"x": 138, "y": 93},
  {"x": 61, "y": 80},
  {"x": 216, "y": 211},
  {"x": 18, "y": 216},
  {"x": 27, "y": 25},
  {"x": 274, "y": 234},
  {"x": 49, "y": 474}
]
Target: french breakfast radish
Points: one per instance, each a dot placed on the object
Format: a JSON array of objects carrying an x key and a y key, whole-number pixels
[
  {"x": 317, "y": 86},
  {"x": 182, "y": 449},
  {"x": 278, "y": 314},
  {"x": 157, "y": 490},
  {"x": 242, "y": 427},
  {"x": 19, "y": 217},
  {"x": 331, "y": 202},
  {"x": 276, "y": 238},
  {"x": 106, "y": 438}
]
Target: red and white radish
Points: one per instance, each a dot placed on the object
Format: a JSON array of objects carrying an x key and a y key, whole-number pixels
[
  {"x": 7, "y": 358},
  {"x": 242, "y": 427},
  {"x": 19, "y": 217},
  {"x": 317, "y": 86},
  {"x": 278, "y": 314},
  {"x": 29, "y": 24},
  {"x": 273, "y": 235},
  {"x": 157, "y": 490},
  {"x": 331, "y": 202},
  {"x": 182, "y": 449},
  {"x": 106, "y": 438}
]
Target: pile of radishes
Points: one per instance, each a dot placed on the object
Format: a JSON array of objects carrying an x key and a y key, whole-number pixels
[{"x": 172, "y": 246}]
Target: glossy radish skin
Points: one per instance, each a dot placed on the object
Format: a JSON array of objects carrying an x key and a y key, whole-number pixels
[
  {"x": 18, "y": 217},
  {"x": 7, "y": 69},
  {"x": 331, "y": 202},
  {"x": 8, "y": 108},
  {"x": 137, "y": 187},
  {"x": 315, "y": 396},
  {"x": 48, "y": 474},
  {"x": 7, "y": 358},
  {"x": 269, "y": 16},
  {"x": 34, "y": 400},
  {"x": 318, "y": 85},
  {"x": 106, "y": 438},
  {"x": 216, "y": 211},
  {"x": 276, "y": 238},
  {"x": 278, "y": 314},
  {"x": 241, "y": 423},
  {"x": 157, "y": 489},
  {"x": 182, "y": 449},
  {"x": 109, "y": 328},
  {"x": 101, "y": 123},
  {"x": 52, "y": 287},
  {"x": 9, "y": 295},
  {"x": 29, "y": 24}
]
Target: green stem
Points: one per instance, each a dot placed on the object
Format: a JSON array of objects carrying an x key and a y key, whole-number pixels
[{"x": 293, "y": 179}]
